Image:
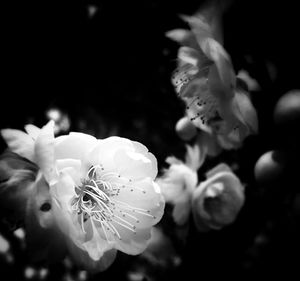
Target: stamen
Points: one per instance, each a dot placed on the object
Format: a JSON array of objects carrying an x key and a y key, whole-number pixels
[
  {"x": 125, "y": 226},
  {"x": 95, "y": 200},
  {"x": 82, "y": 224},
  {"x": 129, "y": 215}
]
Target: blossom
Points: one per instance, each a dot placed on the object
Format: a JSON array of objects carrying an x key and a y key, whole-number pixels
[
  {"x": 217, "y": 201},
  {"x": 179, "y": 181},
  {"x": 101, "y": 193},
  {"x": 205, "y": 80}
]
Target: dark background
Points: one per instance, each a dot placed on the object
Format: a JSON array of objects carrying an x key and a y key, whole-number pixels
[{"x": 113, "y": 70}]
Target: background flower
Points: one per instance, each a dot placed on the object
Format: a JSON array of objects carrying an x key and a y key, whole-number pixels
[
  {"x": 205, "y": 80},
  {"x": 217, "y": 201},
  {"x": 179, "y": 181}
]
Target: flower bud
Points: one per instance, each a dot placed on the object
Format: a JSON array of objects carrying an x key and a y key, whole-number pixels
[
  {"x": 269, "y": 168},
  {"x": 217, "y": 201},
  {"x": 286, "y": 119},
  {"x": 185, "y": 129}
]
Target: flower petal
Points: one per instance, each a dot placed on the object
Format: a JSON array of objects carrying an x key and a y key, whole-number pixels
[
  {"x": 72, "y": 167},
  {"x": 197, "y": 87},
  {"x": 32, "y": 130},
  {"x": 245, "y": 111},
  {"x": 104, "y": 151},
  {"x": 181, "y": 36},
  {"x": 188, "y": 55},
  {"x": 195, "y": 157},
  {"x": 96, "y": 246},
  {"x": 178, "y": 179},
  {"x": 135, "y": 165},
  {"x": 224, "y": 69},
  {"x": 222, "y": 167},
  {"x": 143, "y": 194},
  {"x": 137, "y": 245},
  {"x": 82, "y": 259},
  {"x": 74, "y": 145},
  {"x": 183, "y": 76},
  {"x": 64, "y": 190},
  {"x": 44, "y": 152},
  {"x": 19, "y": 143},
  {"x": 200, "y": 28}
]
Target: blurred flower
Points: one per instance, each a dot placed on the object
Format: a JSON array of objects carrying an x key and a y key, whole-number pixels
[
  {"x": 99, "y": 193},
  {"x": 206, "y": 82},
  {"x": 91, "y": 10},
  {"x": 61, "y": 119},
  {"x": 179, "y": 181},
  {"x": 217, "y": 201}
]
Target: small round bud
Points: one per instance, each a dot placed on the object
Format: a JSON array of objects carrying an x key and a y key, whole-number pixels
[
  {"x": 185, "y": 129},
  {"x": 269, "y": 167},
  {"x": 287, "y": 110}
]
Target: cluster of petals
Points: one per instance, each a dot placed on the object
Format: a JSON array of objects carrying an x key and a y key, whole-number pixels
[
  {"x": 218, "y": 200},
  {"x": 100, "y": 195},
  {"x": 216, "y": 100},
  {"x": 179, "y": 181},
  {"x": 214, "y": 202}
]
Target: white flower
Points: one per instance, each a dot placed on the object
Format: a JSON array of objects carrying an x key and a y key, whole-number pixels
[
  {"x": 218, "y": 200},
  {"x": 179, "y": 181},
  {"x": 103, "y": 191},
  {"x": 205, "y": 80}
]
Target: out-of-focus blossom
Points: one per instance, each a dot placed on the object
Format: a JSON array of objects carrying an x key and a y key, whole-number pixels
[
  {"x": 217, "y": 201},
  {"x": 100, "y": 194},
  {"x": 61, "y": 119},
  {"x": 91, "y": 10},
  {"x": 205, "y": 80},
  {"x": 179, "y": 181}
]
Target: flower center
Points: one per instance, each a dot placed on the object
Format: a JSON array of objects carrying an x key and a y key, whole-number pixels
[{"x": 96, "y": 199}]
